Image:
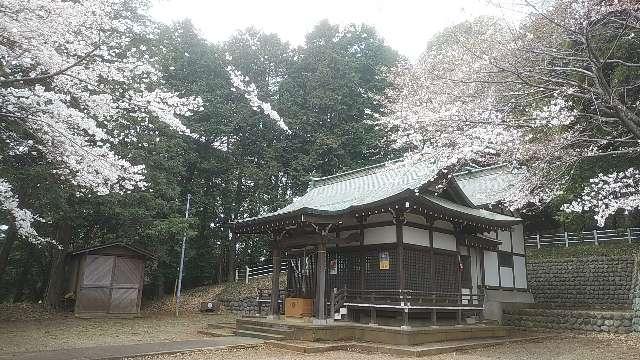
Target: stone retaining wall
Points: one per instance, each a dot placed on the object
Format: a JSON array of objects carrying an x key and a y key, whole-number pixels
[
  {"x": 600, "y": 321},
  {"x": 594, "y": 282},
  {"x": 246, "y": 306},
  {"x": 636, "y": 296}
]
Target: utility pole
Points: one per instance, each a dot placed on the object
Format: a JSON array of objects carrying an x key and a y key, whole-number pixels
[{"x": 184, "y": 240}]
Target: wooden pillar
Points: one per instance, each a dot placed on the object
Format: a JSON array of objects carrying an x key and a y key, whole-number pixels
[
  {"x": 432, "y": 263},
  {"x": 362, "y": 254},
  {"x": 275, "y": 279},
  {"x": 321, "y": 273},
  {"x": 399, "y": 220}
]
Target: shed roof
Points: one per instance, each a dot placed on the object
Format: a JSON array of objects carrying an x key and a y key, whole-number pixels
[
  {"x": 137, "y": 250},
  {"x": 351, "y": 191}
]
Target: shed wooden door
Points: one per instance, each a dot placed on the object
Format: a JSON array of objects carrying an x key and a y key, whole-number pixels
[
  {"x": 125, "y": 286},
  {"x": 110, "y": 284},
  {"x": 94, "y": 294}
]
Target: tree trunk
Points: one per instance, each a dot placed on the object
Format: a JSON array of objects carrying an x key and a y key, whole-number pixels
[
  {"x": 23, "y": 278},
  {"x": 54, "y": 294},
  {"x": 629, "y": 119},
  {"x": 159, "y": 283},
  {"x": 9, "y": 240},
  {"x": 220, "y": 272},
  {"x": 233, "y": 239}
]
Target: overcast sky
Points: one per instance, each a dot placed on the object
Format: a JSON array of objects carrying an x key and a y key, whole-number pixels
[{"x": 406, "y": 25}]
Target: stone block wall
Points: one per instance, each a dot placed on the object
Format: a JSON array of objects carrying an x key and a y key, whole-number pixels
[
  {"x": 245, "y": 307},
  {"x": 594, "y": 282},
  {"x": 635, "y": 294},
  {"x": 620, "y": 322}
]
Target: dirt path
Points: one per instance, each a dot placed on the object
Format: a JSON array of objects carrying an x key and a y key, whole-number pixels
[{"x": 63, "y": 332}]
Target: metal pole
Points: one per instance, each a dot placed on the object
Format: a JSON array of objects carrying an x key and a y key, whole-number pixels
[
  {"x": 538, "y": 239},
  {"x": 184, "y": 240},
  {"x": 629, "y": 234},
  {"x": 566, "y": 239},
  {"x": 246, "y": 275},
  {"x": 595, "y": 236}
]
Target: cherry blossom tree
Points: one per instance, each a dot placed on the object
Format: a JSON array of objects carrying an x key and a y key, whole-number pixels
[
  {"x": 76, "y": 78},
  {"x": 557, "y": 95}
]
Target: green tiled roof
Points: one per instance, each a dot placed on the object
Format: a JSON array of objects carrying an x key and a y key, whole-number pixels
[
  {"x": 350, "y": 191},
  {"x": 488, "y": 185}
]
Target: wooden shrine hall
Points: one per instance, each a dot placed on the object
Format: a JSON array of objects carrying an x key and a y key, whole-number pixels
[{"x": 386, "y": 240}]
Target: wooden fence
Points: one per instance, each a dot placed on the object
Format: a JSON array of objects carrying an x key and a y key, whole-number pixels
[
  {"x": 595, "y": 237},
  {"x": 261, "y": 270}
]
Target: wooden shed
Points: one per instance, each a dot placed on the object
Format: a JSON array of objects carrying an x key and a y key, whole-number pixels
[{"x": 107, "y": 280}]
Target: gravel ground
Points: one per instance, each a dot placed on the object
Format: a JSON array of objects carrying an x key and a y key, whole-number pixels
[
  {"x": 66, "y": 331},
  {"x": 564, "y": 347}
]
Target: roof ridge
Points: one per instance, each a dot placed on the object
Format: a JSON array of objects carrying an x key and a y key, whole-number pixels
[
  {"x": 346, "y": 175},
  {"x": 473, "y": 171}
]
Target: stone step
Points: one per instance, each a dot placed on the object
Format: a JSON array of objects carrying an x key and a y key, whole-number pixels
[
  {"x": 259, "y": 322},
  {"x": 395, "y": 351},
  {"x": 215, "y": 326},
  {"x": 259, "y": 335},
  {"x": 214, "y": 333},
  {"x": 285, "y": 331}
]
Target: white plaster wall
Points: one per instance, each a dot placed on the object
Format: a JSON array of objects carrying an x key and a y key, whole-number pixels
[
  {"x": 443, "y": 224},
  {"x": 444, "y": 241},
  {"x": 491, "y": 268},
  {"x": 415, "y": 218},
  {"x": 415, "y": 236},
  {"x": 505, "y": 238},
  {"x": 380, "y": 235},
  {"x": 518, "y": 239},
  {"x": 506, "y": 277},
  {"x": 520, "y": 268}
]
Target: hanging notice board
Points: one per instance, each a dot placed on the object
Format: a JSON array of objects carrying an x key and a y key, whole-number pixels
[{"x": 384, "y": 260}]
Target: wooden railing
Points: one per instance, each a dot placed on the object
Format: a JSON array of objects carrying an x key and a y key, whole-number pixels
[
  {"x": 595, "y": 237},
  {"x": 412, "y": 298},
  {"x": 256, "y": 271}
]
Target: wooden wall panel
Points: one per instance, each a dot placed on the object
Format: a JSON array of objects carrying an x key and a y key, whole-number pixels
[
  {"x": 93, "y": 300},
  {"x": 127, "y": 271},
  {"x": 124, "y": 301},
  {"x": 98, "y": 270}
]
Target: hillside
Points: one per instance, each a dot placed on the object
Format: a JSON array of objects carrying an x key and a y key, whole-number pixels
[{"x": 192, "y": 298}]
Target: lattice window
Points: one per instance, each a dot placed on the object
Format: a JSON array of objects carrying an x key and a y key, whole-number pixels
[
  {"x": 377, "y": 279},
  {"x": 348, "y": 266},
  {"x": 447, "y": 274},
  {"x": 417, "y": 269}
]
